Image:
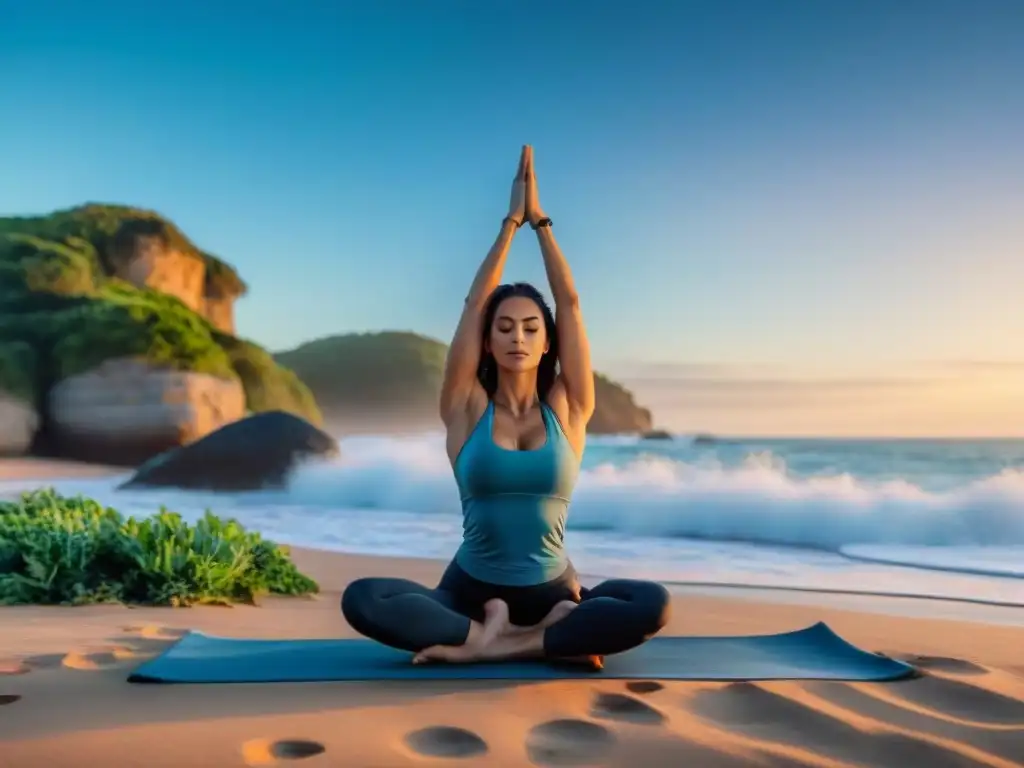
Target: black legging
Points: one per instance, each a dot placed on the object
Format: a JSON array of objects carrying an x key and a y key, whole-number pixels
[{"x": 614, "y": 616}]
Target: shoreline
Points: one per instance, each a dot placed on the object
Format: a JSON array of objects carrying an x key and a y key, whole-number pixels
[{"x": 36, "y": 470}]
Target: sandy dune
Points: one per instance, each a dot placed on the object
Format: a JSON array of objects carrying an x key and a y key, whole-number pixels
[{"x": 64, "y": 700}]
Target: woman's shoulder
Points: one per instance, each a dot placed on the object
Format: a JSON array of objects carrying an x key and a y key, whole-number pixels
[
  {"x": 556, "y": 403},
  {"x": 460, "y": 429}
]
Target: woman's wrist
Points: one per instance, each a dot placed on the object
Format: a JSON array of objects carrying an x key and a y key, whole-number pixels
[
  {"x": 511, "y": 222},
  {"x": 539, "y": 220}
]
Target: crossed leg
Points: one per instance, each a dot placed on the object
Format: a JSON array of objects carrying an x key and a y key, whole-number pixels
[{"x": 615, "y": 616}]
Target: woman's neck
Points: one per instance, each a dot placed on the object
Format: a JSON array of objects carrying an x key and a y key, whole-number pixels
[{"x": 516, "y": 392}]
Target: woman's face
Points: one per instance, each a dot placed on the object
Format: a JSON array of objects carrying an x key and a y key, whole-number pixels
[{"x": 518, "y": 338}]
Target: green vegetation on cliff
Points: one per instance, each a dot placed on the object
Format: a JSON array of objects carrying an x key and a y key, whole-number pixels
[
  {"x": 373, "y": 376},
  {"x": 125, "y": 321},
  {"x": 104, "y": 226},
  {"x": 74, "y": 551}
]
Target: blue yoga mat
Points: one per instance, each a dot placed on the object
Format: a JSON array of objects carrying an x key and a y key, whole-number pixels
[{"x": 814, "y": 653}]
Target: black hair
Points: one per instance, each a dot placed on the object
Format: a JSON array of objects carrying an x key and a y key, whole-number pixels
[{"x": 487, "y": 369}]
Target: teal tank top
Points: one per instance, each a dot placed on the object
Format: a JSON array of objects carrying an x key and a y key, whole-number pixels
[{"x": 514, "y": 505}]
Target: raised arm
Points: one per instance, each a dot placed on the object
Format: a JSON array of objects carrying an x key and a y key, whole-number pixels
[
  {"x": 460, "y": 381},
  {"x": 575, "y": 381}
]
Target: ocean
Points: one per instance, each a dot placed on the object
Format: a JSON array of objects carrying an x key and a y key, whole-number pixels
[{"x": 935, "y": 518}]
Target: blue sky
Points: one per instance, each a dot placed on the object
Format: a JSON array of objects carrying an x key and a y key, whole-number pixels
[{"x": 802, "y": 193}]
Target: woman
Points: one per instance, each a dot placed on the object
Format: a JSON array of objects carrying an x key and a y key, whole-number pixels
[{"x": 516, "y": 429}]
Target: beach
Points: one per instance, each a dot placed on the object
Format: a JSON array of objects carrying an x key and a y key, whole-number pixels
[
  {"x": 65, "y": 700},
  {"x": 721, "y": 315}
]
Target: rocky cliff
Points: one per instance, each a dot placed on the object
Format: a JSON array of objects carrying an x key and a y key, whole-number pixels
[
  {"x": 392, "y": 380},
  {"x": 116, "y": 339}
]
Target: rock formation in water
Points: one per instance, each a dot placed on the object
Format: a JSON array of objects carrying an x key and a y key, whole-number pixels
[
  {"x": 657, "y": 434},
  {"x": 255, "y": 453}
]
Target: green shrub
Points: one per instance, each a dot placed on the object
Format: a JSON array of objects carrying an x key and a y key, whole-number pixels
[{"x": 73, "y": 551}]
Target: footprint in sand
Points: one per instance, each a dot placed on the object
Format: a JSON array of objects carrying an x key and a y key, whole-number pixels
[
  {"x": 149, "y": 639},
  {"x": 644, "y": 686},
  {"x": 92, "y": 658},
  {"x": 44, "y": 661},
  {"x": 99, "y": 657},
  {"x": 267, "y": 752},
  {"x": 568, "y": 742},
  {"x": 616, "y": 706},
  {"x": 446, "y": 741},
  {"x": 1004, "y": 743},
  {"x": 155, "y": 632},
  {"x": 960, "y": 699},
  {"x": 945, "y": 664},
  {"x": 754, "y": 711},
  {"x": 13, "y": 667},
  {"x": 8, "y": 698}
]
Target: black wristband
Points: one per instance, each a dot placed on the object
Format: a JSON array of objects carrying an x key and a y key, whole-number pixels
[{"x": 545, "y": 222}]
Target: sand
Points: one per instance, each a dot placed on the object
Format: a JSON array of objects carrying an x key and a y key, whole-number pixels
[
  {"x": 33, "y": 470},
  {"x": 64, "y": 700}
]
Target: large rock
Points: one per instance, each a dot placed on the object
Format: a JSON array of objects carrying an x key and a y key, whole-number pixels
[
  {"x": 615, "y": 411},
  {"x": 657, "y": 434},
  {"x": 18, "y": 424},
  {"x": 126, "y": 411},
  {"x": 255, "y": 453}
]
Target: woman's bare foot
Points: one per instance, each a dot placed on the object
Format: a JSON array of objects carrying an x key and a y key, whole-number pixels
[
  {"x": 495, "y": 625},
  {"x": 498, "y": 639}
]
